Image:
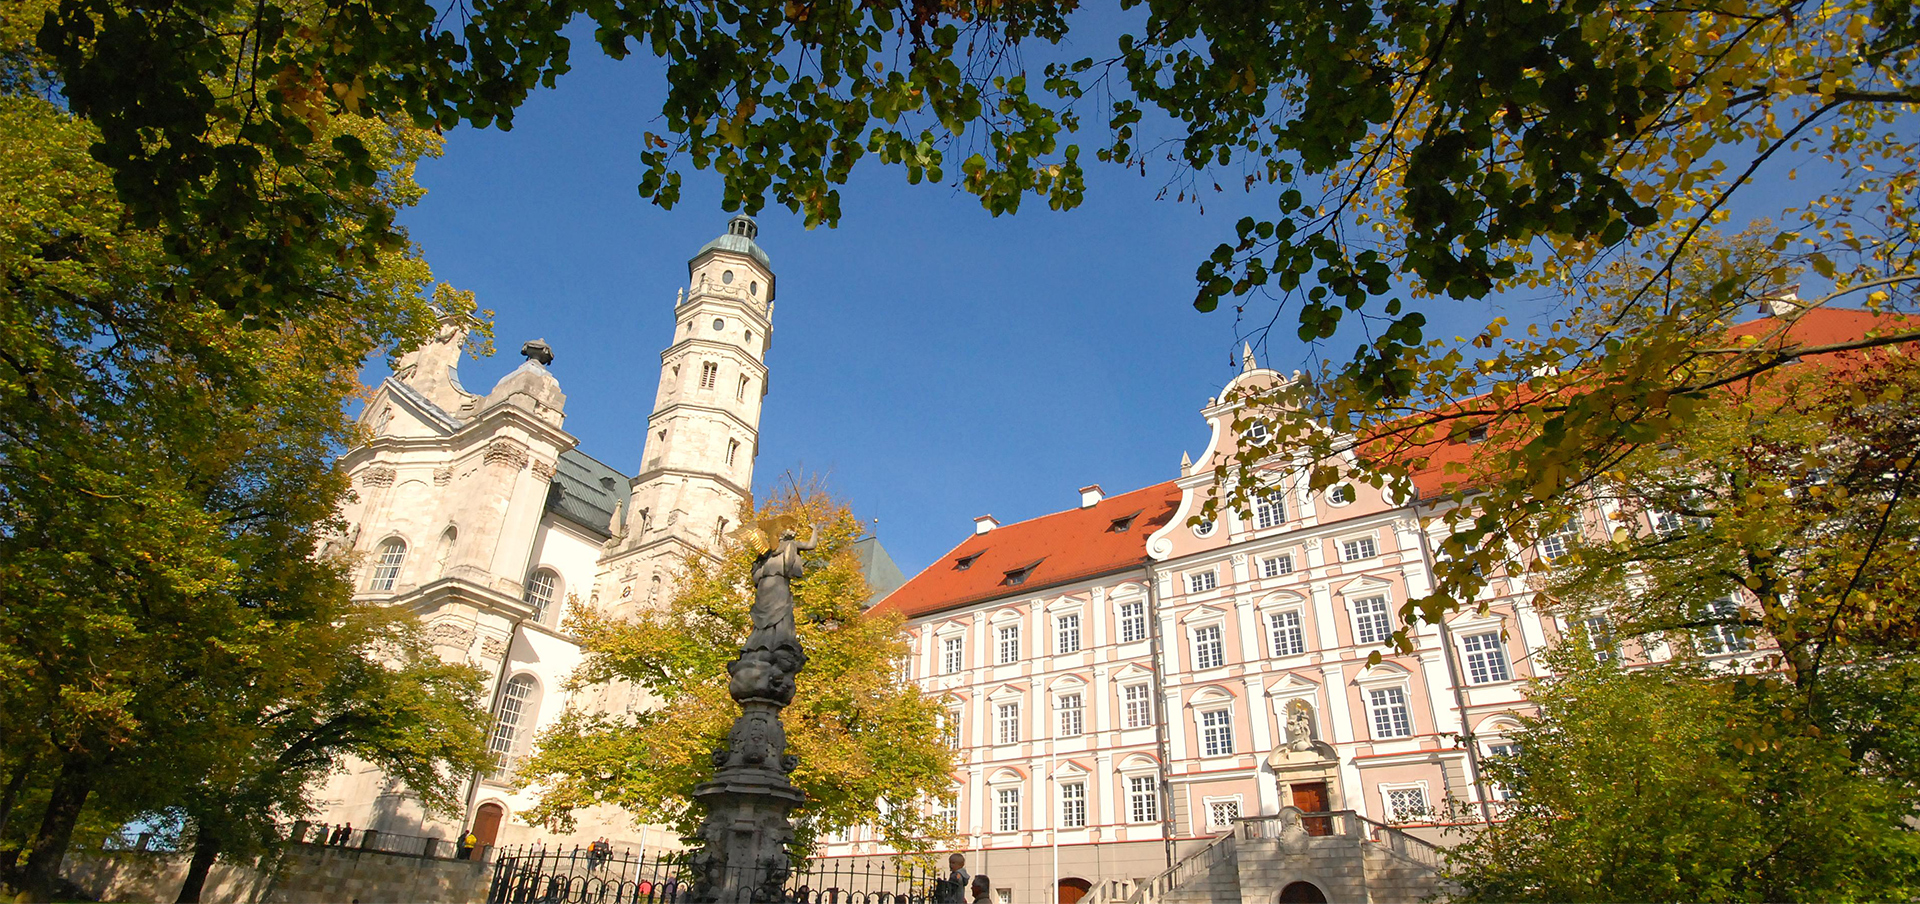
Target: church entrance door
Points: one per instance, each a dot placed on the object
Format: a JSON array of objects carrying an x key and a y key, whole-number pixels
[
  {"x": 1072, "y": 890},
  {"x": 486, "y": 826},
  {"x": 1311, "y": 797}
]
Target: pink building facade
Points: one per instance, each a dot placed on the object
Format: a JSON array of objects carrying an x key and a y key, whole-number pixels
[{"x": 1122, "y": 685}]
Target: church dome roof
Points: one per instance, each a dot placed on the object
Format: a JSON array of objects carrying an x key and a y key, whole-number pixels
[{"x": 741, "y": 231}]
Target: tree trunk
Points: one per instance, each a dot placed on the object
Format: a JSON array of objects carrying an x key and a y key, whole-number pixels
[
  {"x": 12, "y": 793},
  {"x": 70, "y": 790},
  {"x": 206, "y": 847}
]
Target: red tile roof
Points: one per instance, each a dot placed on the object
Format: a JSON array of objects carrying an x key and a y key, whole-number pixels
[
  {"x": 1059, "y": 548},
  {"x": 1818, "y": 327}
]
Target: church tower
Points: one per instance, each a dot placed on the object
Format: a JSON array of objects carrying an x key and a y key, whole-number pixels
[{"x": 696, "y": 468}]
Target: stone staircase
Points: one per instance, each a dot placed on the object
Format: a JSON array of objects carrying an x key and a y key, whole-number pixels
[{"x": 1348, "y": 857}]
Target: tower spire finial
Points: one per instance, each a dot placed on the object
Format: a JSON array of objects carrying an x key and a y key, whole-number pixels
[{"x": 1246, "y": 358}]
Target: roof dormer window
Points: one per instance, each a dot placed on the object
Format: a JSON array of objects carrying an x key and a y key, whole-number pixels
[
  {"x": 965, "y": 562},
  {"x": 1477, "y": 434},
  {"x": 1123, "y": 523},
  {"x": 1017, "y": 576}
]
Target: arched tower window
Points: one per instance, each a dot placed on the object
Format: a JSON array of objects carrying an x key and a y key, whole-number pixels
[
  {"x": 386, "y": 568},
  {"x": 709, "y": 374},
  {"x": 740, "y": 393},
  {"x": 540, "y": 592},
  {"x": 506, "y": 725},
  {"x": 733, "y": 448}
]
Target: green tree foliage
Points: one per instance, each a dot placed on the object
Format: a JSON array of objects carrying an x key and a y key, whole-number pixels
[
  {"x": 870, "y": 748},
  {"x": 1782, "y": 522},
  {"x": 1414, "y": 154},
  {"x": 355, "y": 680},
  {"x": 1644, "y": 785},
  {"x": 165, "y": 467}
]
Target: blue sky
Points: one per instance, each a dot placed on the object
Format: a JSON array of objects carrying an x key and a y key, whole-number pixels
[{"x": 931, "y": 362}]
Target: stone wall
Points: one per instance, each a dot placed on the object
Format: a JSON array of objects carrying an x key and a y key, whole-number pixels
[{"x": 301, "y": 874}]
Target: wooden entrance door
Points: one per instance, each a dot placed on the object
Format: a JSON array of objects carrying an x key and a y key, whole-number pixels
[
  {"x": 1072, "y": 890},
  {"x": 486, "y": 827},
  {"x": 1311, "y": 797}
]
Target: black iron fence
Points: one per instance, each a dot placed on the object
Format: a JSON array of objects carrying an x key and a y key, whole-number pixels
[{"x": 536, "y": 874}]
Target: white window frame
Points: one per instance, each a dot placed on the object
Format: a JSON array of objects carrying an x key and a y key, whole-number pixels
[
  {"x": 1073, "y": 804},
  {"x": 1371, "y": 626},
  {"x": 1006, "y": 645},
  {"x": 1143, "y": 799},
  {"x": 1066, "y": 633},
  {"x": 1137, "y": 701},
  {"x": 1006, "y": 722},
  {"x": 951, "y": 719},
  {"x": 1072, "y": 710},
  {"x": 539, "y": 595},
  {"x": 1216, "y": 731},
  {"x": 1276, "y": 566},
  {"x": 391, "y": 559},
  {"x": 1355, "y": 549},
  {"x": 1485, "y": 657},
  {"x": 1556, "y": 545},
  {"x": 1203, "y": 581},
  {"x": 1209, "y": 646},
  {"x": 1133, "y": 621},
  {"x": 953, "y": 654},
  {"x": 1392, "y": 811},
  {"x": 1006, "y": 809},
  {"x": 1286, "y": 632},
  {"x": 1213, "y": 805},
  {"x": 1381, "y": 710},
  {"x": 1599, "y": 632},
  {"x": 1716, "y": 640},
  {"x": 1270, "y": 510}
]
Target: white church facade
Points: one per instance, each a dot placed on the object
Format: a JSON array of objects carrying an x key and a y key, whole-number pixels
[{"x": 479, "y": 514}]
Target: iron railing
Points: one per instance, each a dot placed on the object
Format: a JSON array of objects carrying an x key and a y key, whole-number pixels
[{"x": 539, "y": 874}]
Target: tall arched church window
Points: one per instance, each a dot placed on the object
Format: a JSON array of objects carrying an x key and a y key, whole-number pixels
[
  {"x": 740, "y": 393},
  {"x": 540, "y": 592},
  {"x": 506, "y": 724},
  {"x": 386, "y": 567}
]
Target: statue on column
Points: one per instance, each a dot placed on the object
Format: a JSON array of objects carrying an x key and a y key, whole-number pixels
[{"x": 742, "y": 857}]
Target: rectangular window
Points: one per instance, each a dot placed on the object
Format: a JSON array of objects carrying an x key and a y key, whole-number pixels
[
  {"x": 1009, "y": 646},
  {"x": 1143, "y": 799},
  {"x": 1557, "y": 544},
  {"x": 1073, "y": 805},
  {"x": 1202, "y": 581},
  {"x": 1284, "y": 628},
  {"x": 1208, "y": 651},
  {"x": 1269, "y": 511},
  {"x": 946, "y": 813},
  {"x": 1370, "y": 621},
  {"x": 1667, "y": 524},
  {"x": 1407, "y": 805},
  {"x": 1358, "y": 548},
  {"x": 1486, "y": 661},
  {"x": 1275, "y": 566},
  {"x": 1222, "y": 813},
  {"x": 1139, "y": 705},
  {"x": 903, "y": 668},
  {"x": 1599, "y": 637},
  {"x": 1724, "y": 638},
  {"x": 1216, "y": 732},
  {"x": 1497, "y": 790},
  {"x": 1066, "y": 633},
  {"x": 1007, "y": 809},
  {"x": 1389, "y": 708},
  {"x": 1008, "y": 717},
  {"x": 952, "y": 658},
  {"x": 950, "y": 728},
  {"x": 1071, "y": 724},
  {"x": 1133, "y": 622},
  {"x": 709, "y": 374}
]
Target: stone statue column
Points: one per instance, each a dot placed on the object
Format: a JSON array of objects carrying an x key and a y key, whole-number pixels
[{"x": 743, "y": 840}]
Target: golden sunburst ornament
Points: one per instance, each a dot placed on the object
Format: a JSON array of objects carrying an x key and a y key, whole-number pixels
[{"x": 763, "y": 534}]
